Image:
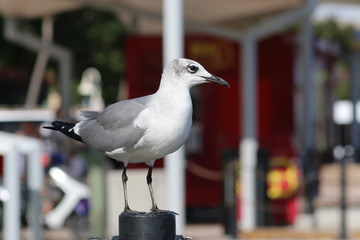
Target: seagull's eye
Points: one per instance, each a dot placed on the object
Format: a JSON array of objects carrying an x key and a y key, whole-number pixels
[{"x": 192, "y": 68}]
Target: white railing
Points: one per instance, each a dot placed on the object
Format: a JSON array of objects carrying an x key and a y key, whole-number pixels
[{"x": 11, "y": 148}]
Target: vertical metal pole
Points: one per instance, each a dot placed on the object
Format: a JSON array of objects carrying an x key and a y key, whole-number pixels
[
  {"x": 96, "y": 180},
  {"x": 40, "y": 64},
  {"x": 355, "y": 77},
  {"x": 309, "y": 113},
  {"x": 343, "y": 206},
  {"x": 248, "y": 144},
  {"x": 309, "y": 84},
  {"x": 35, "y": 185},
  {"x": 12, "y": 184},
  {"x": 173, "y": 47}
]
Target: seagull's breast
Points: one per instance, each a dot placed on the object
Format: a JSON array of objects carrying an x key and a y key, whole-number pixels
[{"x": 167, "y": 125}]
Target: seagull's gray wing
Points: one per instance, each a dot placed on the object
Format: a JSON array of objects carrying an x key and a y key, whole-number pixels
[
  {"x": 114, "y": 127},
  {"x": 89, "y": 114}
]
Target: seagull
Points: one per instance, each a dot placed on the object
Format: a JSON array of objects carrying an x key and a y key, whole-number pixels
[{"x": 144, "y": 129}]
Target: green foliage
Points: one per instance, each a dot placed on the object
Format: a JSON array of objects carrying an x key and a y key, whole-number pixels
[
  {"x": 95, "y": 38},
  {"x": 345, "y": 37},
  {"x": 331, "y": 30}
]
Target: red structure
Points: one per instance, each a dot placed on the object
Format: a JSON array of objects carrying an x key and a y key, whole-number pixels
[{"x": 216, "y": 110}]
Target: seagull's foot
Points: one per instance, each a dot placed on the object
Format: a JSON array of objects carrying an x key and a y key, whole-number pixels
[
  {"x": 127, "y": 210},
  {"x": 156, "y": 210}
]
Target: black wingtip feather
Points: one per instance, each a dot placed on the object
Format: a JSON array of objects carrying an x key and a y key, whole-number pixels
[
  {"x": 65, "y": 128},
  {"x": 49, "y": 127}
]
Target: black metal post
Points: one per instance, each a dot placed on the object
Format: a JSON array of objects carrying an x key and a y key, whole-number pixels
[
  {"x": 343, "y": 206},
  {"x": 148, "y": 226},
  {"x": 229, "y": 192},
  {"x": 343, "y": 154},
  {"x": 262, "y": 168},
  {"x": 348, "y": 154}
]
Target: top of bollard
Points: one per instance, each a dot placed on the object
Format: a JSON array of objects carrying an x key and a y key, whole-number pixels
[
  {"x": 148, "y": 214},
  {"x": 180, "y": 237}
]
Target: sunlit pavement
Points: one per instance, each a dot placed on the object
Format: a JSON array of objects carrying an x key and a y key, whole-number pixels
[
  {"x": 58, "y": 234},
  {"x": 205, "y": 232},
  {"x": 196, "y": 231}
]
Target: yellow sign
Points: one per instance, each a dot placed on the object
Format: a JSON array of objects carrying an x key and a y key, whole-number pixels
[
  {"x": 220, "y": 54},
  {"x": 282, "y": 179}
]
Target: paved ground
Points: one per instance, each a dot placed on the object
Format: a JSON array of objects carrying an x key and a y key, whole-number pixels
[
  {"x": 205, "y": 232},
  {"x": 197, "y": 232},
  {"x": 215, "y": 232}
]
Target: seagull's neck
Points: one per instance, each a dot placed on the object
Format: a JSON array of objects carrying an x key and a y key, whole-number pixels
[
  {"x": 169, "y": 86},
  {"x": 173, "y": 91},
  {"x": 174, "y": 96}
]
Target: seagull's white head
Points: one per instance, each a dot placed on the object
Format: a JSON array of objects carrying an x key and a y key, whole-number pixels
[{"x": 189, "y": 73}]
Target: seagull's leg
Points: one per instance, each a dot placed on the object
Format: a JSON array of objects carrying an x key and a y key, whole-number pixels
[
  {"x": 124, "y": 180},
  {"x": 154, "y": 207}
]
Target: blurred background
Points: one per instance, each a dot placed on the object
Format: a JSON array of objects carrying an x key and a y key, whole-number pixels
[{"x": 275, "y": 156}]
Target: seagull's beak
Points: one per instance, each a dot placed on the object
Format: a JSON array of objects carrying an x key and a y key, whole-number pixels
[{"x": 215, "y": 79}]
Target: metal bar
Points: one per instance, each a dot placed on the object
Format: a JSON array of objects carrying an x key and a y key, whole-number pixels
[
  {"x": 259, "y": 30},
  {"x": 283, "y": 20},
  {"x": 11, "y": 218},
  {"x": 343, "y": 190},
  {"x": 96, "y": 181},
  {"x": 60, "y": 53},
  {"x": 35, "y": 182},
  {"x": 40, "y": 65},
  {"x": 36, "y": 79},
  {"x": 309, "y": 113},
  {"x": 248, "y": 144},
  {"x": 173, "y": 47},
  {"x": 307, "y": 38},
  {"x": 10, "y": 148},
  {"x": 355, "y": 77}
]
